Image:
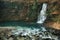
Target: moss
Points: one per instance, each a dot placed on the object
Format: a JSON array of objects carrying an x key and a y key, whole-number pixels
[
  {"x": 33, "y": 9},
  {"x": 54, "y": 18}
]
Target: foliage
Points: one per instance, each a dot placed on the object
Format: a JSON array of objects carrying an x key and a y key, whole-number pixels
[
  {"x": 52, "y": 17},
  {"x": 33, "y": 9},
  {"x": 56, "y": 18},
  {"x": 14, "y": 5}
]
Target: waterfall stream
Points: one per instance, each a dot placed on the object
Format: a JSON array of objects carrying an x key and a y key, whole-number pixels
[
  {"x": 42, "y": 15},
  {"x": 41, "y": 32},
  {"x": 41, "y": 19}
]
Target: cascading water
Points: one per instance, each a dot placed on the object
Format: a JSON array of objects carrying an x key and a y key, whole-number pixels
[
  {"x": 42, "y": 16},
  {"x": 41, "y": 32},
  {"x": 41, "y": 19}
]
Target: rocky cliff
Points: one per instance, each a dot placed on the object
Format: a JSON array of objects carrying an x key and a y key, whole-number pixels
[{"x": 19, "y": 9}]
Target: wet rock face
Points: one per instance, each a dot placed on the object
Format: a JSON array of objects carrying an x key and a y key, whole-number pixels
[
  {"x": 19, "y": 9},
  {"x": 16, "y": 11}
]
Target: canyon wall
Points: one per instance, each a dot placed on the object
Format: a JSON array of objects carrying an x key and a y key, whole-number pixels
[{"x": 25, "y": 9}]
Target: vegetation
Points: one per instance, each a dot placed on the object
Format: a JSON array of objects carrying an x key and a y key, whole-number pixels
[
  {"x": 51, "y": 16},
  {"x": 6, "y": 8},
  {"x": 33, "y": 9},
  {"x": 56, "y": 18}
]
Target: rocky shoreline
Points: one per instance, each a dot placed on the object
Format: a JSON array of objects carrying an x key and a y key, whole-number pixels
[{"x": 5, "y": 34}]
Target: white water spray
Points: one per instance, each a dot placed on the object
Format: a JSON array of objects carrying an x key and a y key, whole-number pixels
[
  {"x": 28, "y": 31},
  {"x": 42, "y": 16},
  {"x": 24, "y": 31}
]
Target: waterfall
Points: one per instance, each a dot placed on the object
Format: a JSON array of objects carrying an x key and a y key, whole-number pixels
[
  {"x": 41, "y": 19},
  {"x": 42, "y": 15},
  {"x": 31, "y": 32}
]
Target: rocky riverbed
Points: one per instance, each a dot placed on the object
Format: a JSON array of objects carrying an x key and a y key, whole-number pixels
[{"x": 6, "y": 34}]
